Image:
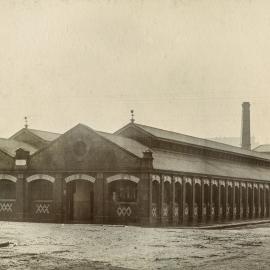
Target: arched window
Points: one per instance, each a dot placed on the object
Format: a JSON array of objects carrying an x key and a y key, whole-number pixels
[
  {"x": 155, "y": 192},
  {"x": 7, "y": 189},
  {"x": 197, "y": 194},
  {"x": 123, "y": 191},
  {"x": 177, "y": 192},
  {"x": 41, "y": 190},
  {"x": 167, "y": 192},
  {"x": 188, "y": 194},
  {"x": 206, "y": 194},
  {"x": 262, "y": 201}
]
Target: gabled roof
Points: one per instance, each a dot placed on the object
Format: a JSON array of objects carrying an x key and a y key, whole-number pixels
[
  {"x": 128, "y": 144},
  {"x": 10, "y": 146},
  {"x": 45, "y": 135},
  {"x": 190, "y": 140},
  {"x": 131, "y": 146}
]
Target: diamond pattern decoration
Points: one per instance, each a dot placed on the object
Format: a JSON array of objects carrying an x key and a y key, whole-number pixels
[
  {"x": 6, "y": 207},
  {"x": 195, "y": 212},
  {"x": 123, "y": 211},
  {"x": 165, "y": 211},
  {"x": 42, "y": 208},
  {"x": 186, "y": 211},
  {"x": 154, "y": 211},
  {"x": 176, "y": 210}
]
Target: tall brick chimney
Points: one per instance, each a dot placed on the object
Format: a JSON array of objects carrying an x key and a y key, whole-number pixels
[{"x": 245, "y": 136}]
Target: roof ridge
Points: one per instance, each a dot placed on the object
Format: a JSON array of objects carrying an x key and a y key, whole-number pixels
[
  {"x": 197, "y": 138},
  {"x": 33, "y": 129}
]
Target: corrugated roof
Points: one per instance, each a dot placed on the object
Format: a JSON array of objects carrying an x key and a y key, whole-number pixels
[
  {"x": 186, "y": 139},
  {"x": 45, "y": 135},
  {"x": 10, "y": 146},
  {"x": 262, "y": 148},
  {"x": 128, "y": 144},
  {"x": 207, "y": 166}
]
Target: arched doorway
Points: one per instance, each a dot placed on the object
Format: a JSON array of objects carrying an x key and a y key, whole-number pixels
[
  {"x": 177, "y": 200},
  {"x": 256, "y": 201},
  {"x": 155, "y": 199},
  {"x": 167, "y": 200},
  {"x": 80, "y": 198},
  {"x": 262, "y": 202},
  {"x": 229, "y": 211},
  {"x": 123, "y": 199},
  {"x": 206, "y": 206},
  {"x": 188, "y": 201},
  {"x": 215, "y": 201},
  {"x": 41, "y": 200},
  {"x": 197, "y": 206},
  {"x": 267, "y": 202},
  {"x": 222, "y": 201},
  {"x": 250, "y": 201},
  {"x": 244, "y": 201},
  {"x": 7, "y": 198},
  {"x": 237, "y": 201}
]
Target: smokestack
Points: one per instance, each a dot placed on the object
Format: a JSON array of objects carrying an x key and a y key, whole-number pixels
[{"x": 245, "y": 138}]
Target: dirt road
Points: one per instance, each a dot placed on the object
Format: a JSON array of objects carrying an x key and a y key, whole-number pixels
[{"x": 56, "y": 246}]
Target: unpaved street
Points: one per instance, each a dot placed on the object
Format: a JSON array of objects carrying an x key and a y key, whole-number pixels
[{"x": 56, "y": 246}]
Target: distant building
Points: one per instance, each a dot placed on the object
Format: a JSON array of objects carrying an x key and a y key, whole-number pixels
[{"x": 136, "y": 175}]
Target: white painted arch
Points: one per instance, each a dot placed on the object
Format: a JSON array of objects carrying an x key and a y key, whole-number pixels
[
  {"x": 40, "y": 177},
  {"x": 80, "y": 176},
  {"x": 155, "y": 177},
  {"x": 122, "y": 176},
  {"x": 8, "y": 177},
  {"x": 167, "y": 178}
]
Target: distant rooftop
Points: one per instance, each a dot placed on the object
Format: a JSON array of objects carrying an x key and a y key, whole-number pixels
[
  {"x": 264, "y": 148},
  {"x": 45, "y": 135}
]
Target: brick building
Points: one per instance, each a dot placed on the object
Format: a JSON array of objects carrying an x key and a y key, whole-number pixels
[{"x": 137, "y": 175}]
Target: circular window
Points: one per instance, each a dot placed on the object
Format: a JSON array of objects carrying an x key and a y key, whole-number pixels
[{"x": 80, "y": 148}]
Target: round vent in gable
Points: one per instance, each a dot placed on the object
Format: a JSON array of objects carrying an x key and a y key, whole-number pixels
[{"x": 80, "y": 148}]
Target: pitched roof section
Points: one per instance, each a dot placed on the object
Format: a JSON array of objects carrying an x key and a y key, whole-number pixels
[
  {"x": 128, "y": 144},
  {"x": 10, "y": 146},
  {"x": 186, "y": 139},
  {"x": 207, "y": 166},
  {"x": 45, "y": 135},
  {"x": 180, "y": 162}
]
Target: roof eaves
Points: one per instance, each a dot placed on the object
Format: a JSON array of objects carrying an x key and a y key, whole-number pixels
[
  {"x": 6, "y": 153},
  {"x": 26, "y": 130}
]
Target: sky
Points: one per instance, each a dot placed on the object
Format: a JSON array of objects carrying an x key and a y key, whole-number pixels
[{"x": 185, "y": 66}]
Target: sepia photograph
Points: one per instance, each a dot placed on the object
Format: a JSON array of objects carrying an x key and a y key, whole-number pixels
[{"x": 135, "y": 134}]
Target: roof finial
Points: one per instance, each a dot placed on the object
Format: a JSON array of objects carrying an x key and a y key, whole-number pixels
[
  {"x": 26, "y": 122},
  {"x": 132, "y": 120}
]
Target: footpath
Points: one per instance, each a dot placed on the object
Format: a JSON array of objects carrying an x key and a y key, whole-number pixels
[{"x": 229, "y": 225}]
